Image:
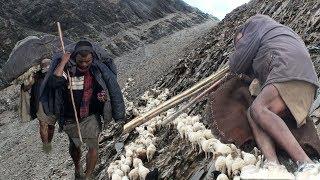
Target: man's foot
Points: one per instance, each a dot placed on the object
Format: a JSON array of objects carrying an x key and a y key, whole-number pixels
[
  {"x": 46, "y": 148},
  {"x": 79, "y": 175},
  {"x": 89, "y": 178}
]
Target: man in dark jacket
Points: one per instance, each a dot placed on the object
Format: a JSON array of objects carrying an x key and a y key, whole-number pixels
[
  {"x": 277, "y": 57},
  {"x": 92, "y": 84}
]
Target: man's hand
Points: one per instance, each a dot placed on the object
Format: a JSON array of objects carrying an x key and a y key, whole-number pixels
[
  {"x": 64, "y": 60},
  {"x": 102, "y": 96},
  {"x": 65, "y": 57}
]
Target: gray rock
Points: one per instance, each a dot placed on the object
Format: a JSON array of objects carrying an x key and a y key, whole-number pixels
[{"x": 120, "y": 25}]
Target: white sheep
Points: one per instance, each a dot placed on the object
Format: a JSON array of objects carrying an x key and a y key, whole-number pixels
[
  {"x": 136, "y": 162},
  {"x": 222, "y": 177},
  {"x": 229, "y": 161},
  {"x": 248, "y": 158},
  {"x": 119, "y": 172},
  {"x": 198, "y": 126},
  {"x": 221, "y": 148},
  {"x": 111, "y": 168},
  {"x": 134, "y": 174},
  {"x": 207, "y": 134},
  {"x": 208, "y": 147},
  {"x": 194, "y": 139},
  {"x": 183, "y": 131},
  {"x": 191, "y": 120},
  {"x": 128, "y": 161},
  {"x": 116, "y": 177},
  {"x": 125, "y": 161},
  {"x": 129, "y": 152},
  {"x": 151, "y": 151},
  {"x": 143, "y": 171},
  {"x": 236, "y": 178},
  {"x": 237, "y": 164},
  {"x": 259, "y": 161},
  {"x": 125, "y": 169},
  {"x": 220, "y": 164},
  {"x": 199, "y": 141},
  {"x": 140, "y": 129}
]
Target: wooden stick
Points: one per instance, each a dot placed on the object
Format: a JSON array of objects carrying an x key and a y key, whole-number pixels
[
  {"x": 61, "y": 37},
  {"x": 70, "y": 87},
  {"x": 175, "y": 100},
  {"x": 194, "y": 100}
]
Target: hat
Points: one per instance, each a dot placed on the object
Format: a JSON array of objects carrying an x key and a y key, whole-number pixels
[{"x": 82, "y": 46}]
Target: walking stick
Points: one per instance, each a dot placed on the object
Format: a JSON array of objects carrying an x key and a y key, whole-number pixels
[{"x": 70, "y": 86}]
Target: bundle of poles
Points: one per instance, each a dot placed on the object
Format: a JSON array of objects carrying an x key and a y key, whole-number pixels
[{"x": 199, "y": 90}]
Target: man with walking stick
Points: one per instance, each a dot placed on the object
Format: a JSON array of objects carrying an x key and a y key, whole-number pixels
[{"x": 93, "y": 84}]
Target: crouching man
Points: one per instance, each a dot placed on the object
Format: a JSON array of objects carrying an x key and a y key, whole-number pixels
[
  {"x": 93, "y": 84},
  {"x": 277, "y": 57}
]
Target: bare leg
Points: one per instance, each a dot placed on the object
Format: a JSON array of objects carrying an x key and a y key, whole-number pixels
[
  {"x": 265, "y": 112},
  {"x": 50, "y": 132},
  {"x": 264, "y": 141},
  {"x": 43, "y": 129},
  {"x": 75, "y": 153},
  {"x": 91, "y": 160}
]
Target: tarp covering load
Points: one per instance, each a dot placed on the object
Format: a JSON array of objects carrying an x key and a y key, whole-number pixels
[
  {"x": 28, "y": 53},
  {"x": 226, "y": 116}
]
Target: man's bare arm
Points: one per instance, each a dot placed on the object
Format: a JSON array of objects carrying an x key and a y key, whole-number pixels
[{"x": 64, "y": 60}]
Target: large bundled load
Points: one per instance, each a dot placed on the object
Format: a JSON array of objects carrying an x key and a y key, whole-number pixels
[{"x": 227, "y": 117}]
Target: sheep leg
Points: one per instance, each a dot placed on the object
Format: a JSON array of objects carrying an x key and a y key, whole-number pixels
[
  {"x": 200, "y": 150},
  {"x": 214, "y": 155},
  {"x": 229, "y": 172}
]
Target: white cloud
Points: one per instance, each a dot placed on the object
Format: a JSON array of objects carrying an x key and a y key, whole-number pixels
[{"x": 218, "y": 8}]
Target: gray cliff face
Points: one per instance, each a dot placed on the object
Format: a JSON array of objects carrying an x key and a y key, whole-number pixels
[{"x": 120, "y": 25}]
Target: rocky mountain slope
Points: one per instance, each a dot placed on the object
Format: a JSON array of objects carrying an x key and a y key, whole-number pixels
[{"x": 119, "y": 25}]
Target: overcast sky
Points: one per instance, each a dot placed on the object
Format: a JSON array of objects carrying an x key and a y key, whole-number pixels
[{"x": 218, "y": 8}]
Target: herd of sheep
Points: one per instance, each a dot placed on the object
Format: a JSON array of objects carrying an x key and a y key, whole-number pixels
[{"x": 228, "y": 159}]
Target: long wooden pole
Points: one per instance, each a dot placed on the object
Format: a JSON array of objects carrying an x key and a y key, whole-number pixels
[
  {"x": 70, "y": 86},
  {"x": 176, "y": 100},
  {"x": 193, "y": 101}
]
